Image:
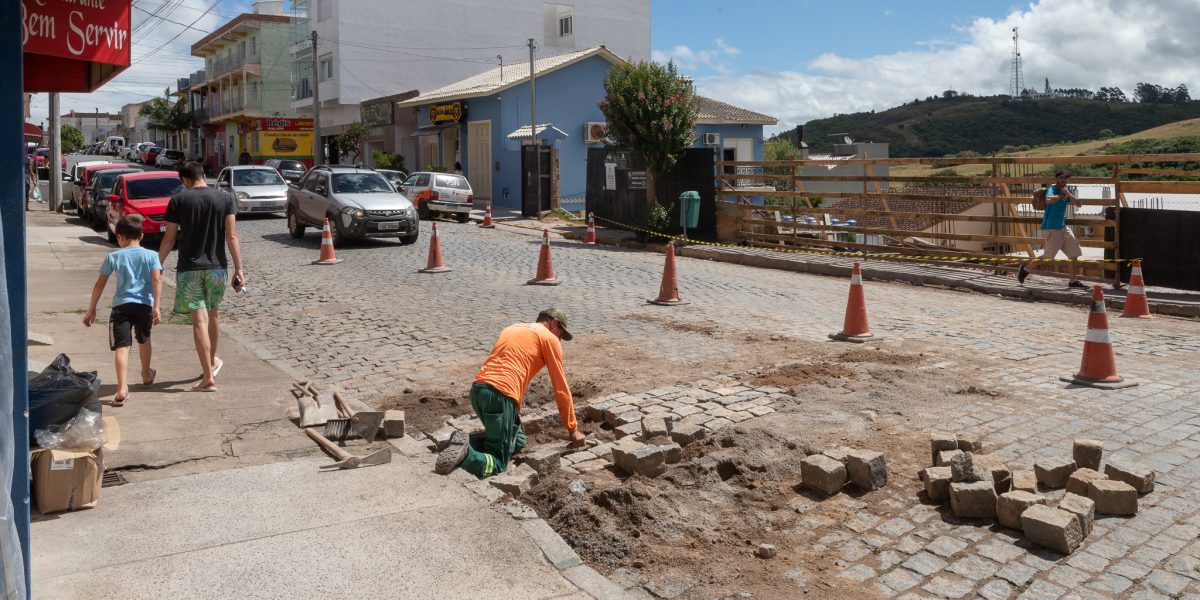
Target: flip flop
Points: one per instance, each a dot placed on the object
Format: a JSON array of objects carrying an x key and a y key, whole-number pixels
[
  {"x": 217, "y": 364},
  {"x": 117, "y": 402},
  {"x": 153, "y": 374},
  {"x": 197, "y": 388}
]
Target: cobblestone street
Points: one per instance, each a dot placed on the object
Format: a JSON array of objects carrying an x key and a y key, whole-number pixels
[{"x": 374, "y": 326}]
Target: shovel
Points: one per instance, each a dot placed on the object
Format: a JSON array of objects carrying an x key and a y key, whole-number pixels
[{"x": 345, "y": 460}]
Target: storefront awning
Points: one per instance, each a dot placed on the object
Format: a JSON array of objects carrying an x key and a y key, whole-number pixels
[
  {"x": 430, "y": 130},
  {"x": 548, "y": 129}
]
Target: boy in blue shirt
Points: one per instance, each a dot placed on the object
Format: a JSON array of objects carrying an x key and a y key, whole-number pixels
[
  {"x": 135, "y": 303},
  {"x": 1055, "y": 231}
]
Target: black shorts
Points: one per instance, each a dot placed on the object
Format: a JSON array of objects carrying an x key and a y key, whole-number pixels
[{"x": 126, "y": 321}]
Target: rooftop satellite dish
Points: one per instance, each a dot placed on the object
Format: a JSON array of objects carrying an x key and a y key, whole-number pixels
[{"x": 848, "y": 140}]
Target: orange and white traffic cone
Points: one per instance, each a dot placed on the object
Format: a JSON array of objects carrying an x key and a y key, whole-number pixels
[
  {"x": 1136, "y": 304},
  {"x": 328, "y": 257},
  {"x": 668, "y": 291},
  {"x": 545, "y": 269},
  {"x": 855, "y": 327},
  {"x": 436, "y": 263},
  {"x": 589, "y": 238},
  {"x": 1099, "y": 365},
  {"x": 487, "y": 217}
]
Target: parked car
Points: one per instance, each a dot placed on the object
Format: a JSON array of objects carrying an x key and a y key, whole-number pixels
[
  {"x": 290, "y": 170},
  {"x": 150, "y": 155},
  {"x": 257, "y": 188},
  {"x": 81, "y": 179},
  {"x": 40, "y": 156},
  {"x": 439, "y": 193},
  {"x": 396, "y": 178},
  {"x": 169, "y": 159},
  {"x": 145, "y": 194},
  {"x": 358, "y": 202},
  {"x": 93, "y": 203},
  {"x": 134, "y": 151}
]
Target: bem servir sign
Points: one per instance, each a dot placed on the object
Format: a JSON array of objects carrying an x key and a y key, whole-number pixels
[{"x": 94, "y": 31}]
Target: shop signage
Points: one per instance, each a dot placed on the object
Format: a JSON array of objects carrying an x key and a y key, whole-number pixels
[
  {"x": 74, "y": 45},
  {"x": 447, "y": 113},
  {"x": 377, "y": 115},
  {"x": 276, "y": 124}
]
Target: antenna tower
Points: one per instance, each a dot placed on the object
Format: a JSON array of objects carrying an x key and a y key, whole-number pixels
[{"x": 1016, "y": 83}]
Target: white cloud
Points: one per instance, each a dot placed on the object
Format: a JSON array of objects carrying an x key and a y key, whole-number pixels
[
  {"x": 1074, "y": 43},
  {"x": 687, "y": 59}
]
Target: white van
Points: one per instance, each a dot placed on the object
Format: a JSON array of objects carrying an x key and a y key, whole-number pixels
[{"x": 114, "y": 144}]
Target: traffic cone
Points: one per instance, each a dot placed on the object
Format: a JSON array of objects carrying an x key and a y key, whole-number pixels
[
  {"x": 327, "y": 254},
  {"x": 487, "y": 217},
  {"x": 589, "y": 238},
  {"x": 545, "y": 269},
  {"x": 855, "y": 327},
  {"x": 436, "y": 263},
  {"x": 1135, "y": 298},
  {"x": 1099, "y": 366},
  {"x": 668, "y": 291}
]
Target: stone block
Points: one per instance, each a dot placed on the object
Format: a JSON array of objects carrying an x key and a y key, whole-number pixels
[
  {"x": 595, "y": 412},
  {"x": 822, "y": 474},
  {"x": 625, "y": 418},
  {"x": 644, "y": 459},
  {"x": 1088, "y": 453},
  {"x": 944, "y": 457},
  {"x": 1054, "y": 473},
  {"x": 937, "y": 483},
  {"x": 1053, "y": 528},
  {"x": 441, "y": 437},
  {"x": 940, "y": 441},
  {"x": 973, "y": 500},
  {"x": 1113, "y": 497},
  {"x": 628, "y": 429},
  {"x": 1083, "y": 508},
  {"x": 766, "y": 551},
  {"x": 653, "y": 427},
  {"x": 867, "y": 470},
  {"x": 515, "y": 481},
  {"x": 1139, "y": 476},
  {"x": 686, "y": 433},
  {"x": 1024, "y": 481},
  {"x": 965, "y": 467},
  {"x": 1000, "y": 473},
  {"x": 840, "y": 453},
  {"x": 393, "y": 423},
  {"x": 543, "y": 460},
  {"x": 1078, "y": 482},
  {"x": 970, "y": 443},
  {"x": 672, "y": 452},
  {"x": 1010, "y": 506}
]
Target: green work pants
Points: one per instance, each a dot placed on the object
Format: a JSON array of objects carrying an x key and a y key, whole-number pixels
[{"x": 502, "y": 433}]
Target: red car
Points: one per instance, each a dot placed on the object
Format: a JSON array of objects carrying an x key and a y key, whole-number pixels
[
  {"x": 82, "y": 180},
  {"x": 150, "y": 155},
  {"x": 144, "y": 194}
]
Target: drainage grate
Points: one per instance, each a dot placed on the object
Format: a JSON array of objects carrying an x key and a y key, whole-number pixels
[{"x": 111, "y": 479}]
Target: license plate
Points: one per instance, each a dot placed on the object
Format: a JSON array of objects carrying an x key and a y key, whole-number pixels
[
  {"x": 389, "y": 226},
  {"x": 162, "y": 228}
]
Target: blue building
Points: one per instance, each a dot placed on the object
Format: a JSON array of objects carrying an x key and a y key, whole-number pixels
[{"x": 481, "y": 123}]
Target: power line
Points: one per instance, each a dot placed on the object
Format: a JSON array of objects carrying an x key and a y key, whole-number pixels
[{"x": 176, "y": 36}]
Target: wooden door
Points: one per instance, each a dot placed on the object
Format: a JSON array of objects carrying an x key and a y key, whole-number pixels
[{"x": 479, "y": 158}]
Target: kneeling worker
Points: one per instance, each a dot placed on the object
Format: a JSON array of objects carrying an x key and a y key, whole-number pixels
[{"x": 519, "y": 354}]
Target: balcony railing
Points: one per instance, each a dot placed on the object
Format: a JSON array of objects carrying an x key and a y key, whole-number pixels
[
  {"x": 232, "y": 105},
  {"x": 302, "y": 89},
  {"x": 196, "y": 78},
  {"x": 225, "y": 65}
]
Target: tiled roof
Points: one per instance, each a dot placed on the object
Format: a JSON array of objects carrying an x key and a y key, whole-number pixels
[
  {"x": 715, "y": 112},
  {"x": 502, "y": 78}
]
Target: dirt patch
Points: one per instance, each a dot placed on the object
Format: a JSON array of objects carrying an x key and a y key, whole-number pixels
[
  {"x": 672, "y": 325},
  {"x": 790, "y": 376},
  {"x": 873, "y": 355}
]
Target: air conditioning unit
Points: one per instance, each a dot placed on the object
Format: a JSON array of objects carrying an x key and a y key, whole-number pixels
[
  {"x": 712, "y": 139},
  {"x": 595, "y": 132}
]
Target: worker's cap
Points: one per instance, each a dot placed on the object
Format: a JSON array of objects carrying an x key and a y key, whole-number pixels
[
  {"x": 557, "y": 315},
  {"x": 1062, "y": 173}
]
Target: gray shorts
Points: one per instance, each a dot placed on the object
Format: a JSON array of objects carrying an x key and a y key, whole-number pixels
[{"x": 1060, "y": 239}]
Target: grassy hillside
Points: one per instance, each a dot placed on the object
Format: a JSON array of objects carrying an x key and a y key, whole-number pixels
[{"x": 988, "y": 125}]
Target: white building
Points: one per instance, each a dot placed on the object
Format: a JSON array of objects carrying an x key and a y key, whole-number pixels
[
  {"x": 372, "y": 48},
  {"x": 96, "y": 126}
]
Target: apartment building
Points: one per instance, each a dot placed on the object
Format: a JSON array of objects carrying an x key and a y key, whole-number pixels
[
  {"x": 96, "y": 126},
  {"x": 368, "y": 49}
]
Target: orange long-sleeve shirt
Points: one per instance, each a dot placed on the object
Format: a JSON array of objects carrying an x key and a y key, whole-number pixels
[{"x": 520, "y": 353}]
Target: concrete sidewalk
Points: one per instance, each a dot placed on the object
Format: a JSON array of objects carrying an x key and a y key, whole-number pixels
[{"x": 225, "y": 498}]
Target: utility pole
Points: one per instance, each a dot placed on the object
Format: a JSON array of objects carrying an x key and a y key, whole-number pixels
[
  {"x": 537, "y": 145},
  {"x": 54, "y": 179},
  {"x": 318, "y": 147},
  {"x": 96, "y": 114}
]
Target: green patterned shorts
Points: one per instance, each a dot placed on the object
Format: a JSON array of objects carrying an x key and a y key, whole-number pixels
[{"x": 195, "y": 290}]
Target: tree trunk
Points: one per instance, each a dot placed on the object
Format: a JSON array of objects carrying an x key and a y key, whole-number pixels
[{"x": 651, "y": 194}]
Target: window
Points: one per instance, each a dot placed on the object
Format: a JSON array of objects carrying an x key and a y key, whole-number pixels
[
  {"x": 327, "y": 67},
  {"x": 324, "y": 9},
  {"x": 360, "y": 183},
  {"x": 253, "y": 177},
  {"x": 565, "y": 26},
  {"x": 253, "y": 46},
  {"x": 161, "y": 187}
]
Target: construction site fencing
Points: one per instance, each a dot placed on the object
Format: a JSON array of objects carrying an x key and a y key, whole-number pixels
[{"x": 984, "y": 219}]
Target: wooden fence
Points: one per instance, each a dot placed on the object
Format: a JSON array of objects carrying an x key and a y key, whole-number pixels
[{"x": 984, "y": 221}]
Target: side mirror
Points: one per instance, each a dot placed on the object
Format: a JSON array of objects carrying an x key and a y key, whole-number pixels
[
  {"x": 67, "y": 177},
  {"x": 113, "y": 198}
]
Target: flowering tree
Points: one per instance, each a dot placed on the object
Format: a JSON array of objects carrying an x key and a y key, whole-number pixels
[{"x": 652, "y": 110}]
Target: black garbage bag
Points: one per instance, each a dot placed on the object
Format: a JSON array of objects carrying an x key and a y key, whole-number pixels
[{"x": 58, "y": 393}]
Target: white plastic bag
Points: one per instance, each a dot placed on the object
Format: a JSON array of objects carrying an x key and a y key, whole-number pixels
[{"x": 84, "y": 431}]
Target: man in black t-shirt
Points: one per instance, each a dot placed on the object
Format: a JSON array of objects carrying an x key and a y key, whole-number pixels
[{"x": 209, "y": 217}]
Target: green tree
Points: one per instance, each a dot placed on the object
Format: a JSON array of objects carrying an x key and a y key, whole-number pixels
[
  {"x": 388, "y": 160},
  {"x": 166, "y": 115},
  {"x": 71, "y": 136},
  {"x": 652, "y": 110},
  {"x": 351, "y": 140},
  {"x": 780, "y": 148}
]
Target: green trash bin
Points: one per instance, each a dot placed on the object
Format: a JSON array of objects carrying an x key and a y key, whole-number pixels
[{"x": 689, "y": 210}]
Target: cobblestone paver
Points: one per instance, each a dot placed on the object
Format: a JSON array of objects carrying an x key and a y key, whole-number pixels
[{"x": 373, "y": 323}]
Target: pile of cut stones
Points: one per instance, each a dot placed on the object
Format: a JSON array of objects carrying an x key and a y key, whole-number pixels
[
  {"x": 826, "y": 473},
  {"x": 979, "y": 486}
]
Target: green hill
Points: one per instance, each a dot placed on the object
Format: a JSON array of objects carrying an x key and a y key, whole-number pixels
[{"x": 943, "y": 126}]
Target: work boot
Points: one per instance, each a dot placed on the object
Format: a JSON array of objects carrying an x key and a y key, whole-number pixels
[
  {"x": 1077, "y": 284},
  {"x": 453, "y": 455},
  {"x": 1022, "y": 273}
]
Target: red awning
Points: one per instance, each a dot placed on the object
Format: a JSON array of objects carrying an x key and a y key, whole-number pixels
[{"x": 33, "y": 133}]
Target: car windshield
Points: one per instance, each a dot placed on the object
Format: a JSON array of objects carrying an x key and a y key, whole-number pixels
[
  {"x": 108, "y": 178},
  {"x": 291, "y": 165},
  {"x": 360, "y": 183},
  {"x": 43, "y": 152},
  {"x": 247, "y": 177},
  {"x": 158, "y": 187},
  {"x": 173, "y": 153},
  {"x": 455, "y": 182},
  {"x": 395, "y": 177}
]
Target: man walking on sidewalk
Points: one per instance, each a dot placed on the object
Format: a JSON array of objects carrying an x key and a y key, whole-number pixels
[
  {"x": 519, "y": 354},
  {"x": 209, "y": 219},
  {"x": 1055, "y": 231}
]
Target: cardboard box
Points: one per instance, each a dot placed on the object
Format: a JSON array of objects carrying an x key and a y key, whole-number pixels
[{"x": 66, "y": 480}]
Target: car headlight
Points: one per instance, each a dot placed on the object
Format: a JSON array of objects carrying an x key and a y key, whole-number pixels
[
  {"x": 357, "y": 213},
  {"x": 243, "y": 196},
  {"x": 410, "y": 211}
]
